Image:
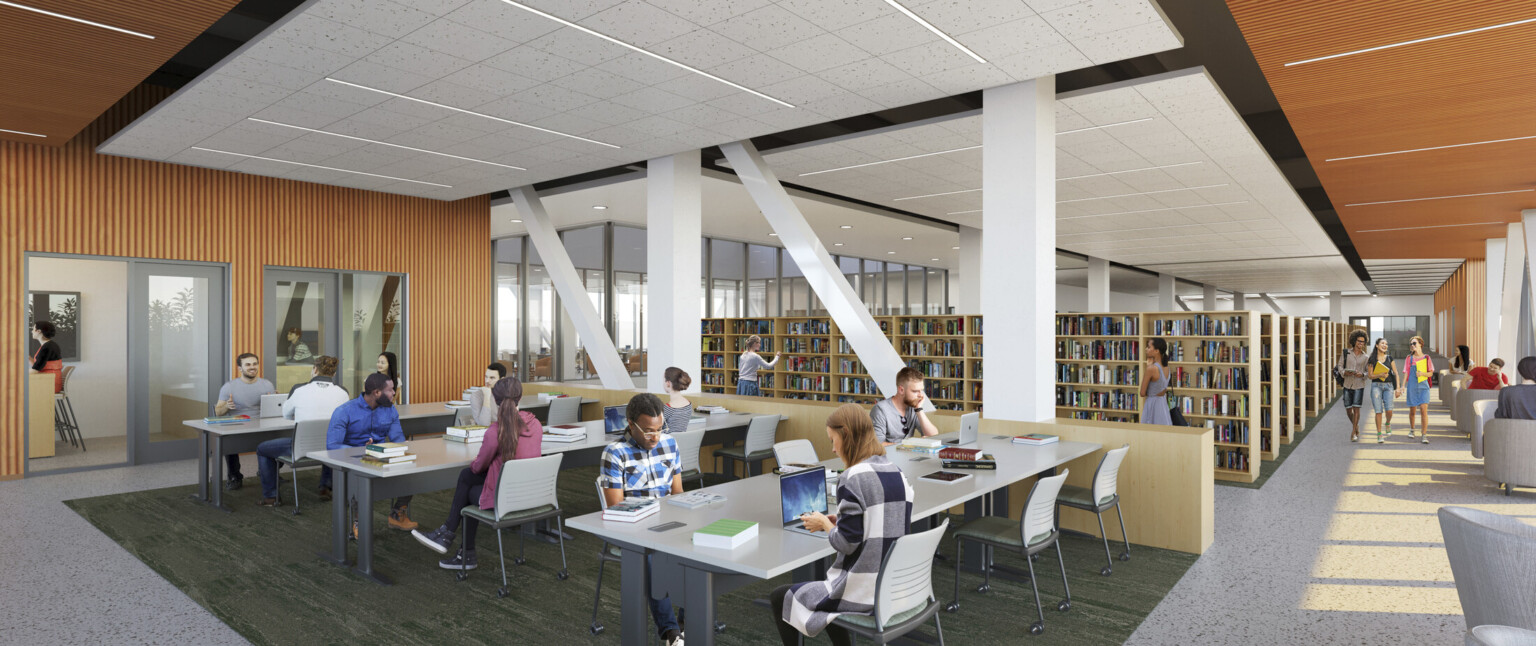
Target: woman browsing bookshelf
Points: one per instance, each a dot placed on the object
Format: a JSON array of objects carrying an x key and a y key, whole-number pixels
[
  {"x": 1154, "y": 385},
  {"x": 751, "y": 362}
]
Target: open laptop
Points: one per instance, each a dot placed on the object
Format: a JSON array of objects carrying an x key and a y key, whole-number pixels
[
  {"x": 272, "y": 405},
  {"x": 970, "y": 430},
  {"x": 613, "y": 419},
  {"x": 803, "y": 492}
]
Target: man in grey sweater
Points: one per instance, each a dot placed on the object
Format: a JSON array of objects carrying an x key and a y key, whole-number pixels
[{"x": 900, "y": 416}]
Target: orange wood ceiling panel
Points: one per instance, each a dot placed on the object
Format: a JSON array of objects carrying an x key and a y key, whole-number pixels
[
  {"x": 57, "y": 76},
  {"x": 72, "y": 200},
  {"x": 1474, "y": 87}
]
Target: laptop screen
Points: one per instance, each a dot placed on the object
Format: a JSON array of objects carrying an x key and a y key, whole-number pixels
[
  {"x": 613, "y": 419},
  {"x": 802, "y": 492}
]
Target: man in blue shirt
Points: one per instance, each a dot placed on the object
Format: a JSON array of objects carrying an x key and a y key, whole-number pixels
[
  {"x": 645, "y": 464},
  {"x": 368, "y": 419}
]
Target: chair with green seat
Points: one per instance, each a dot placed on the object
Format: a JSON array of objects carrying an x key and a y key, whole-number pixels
[
  {"x": 688, "y": 445},
  {"x": 524, "y": 494},
  {"x": 1031, "y": 535},
  {"x": 904, "y": 596},
  {"x": 1100, "y": 498},
  {"x": 761, "y": 432},
  {"x": 308, "y": 437}
]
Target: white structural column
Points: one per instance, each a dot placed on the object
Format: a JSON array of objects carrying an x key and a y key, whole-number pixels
[
  {"x": 1209, "y": 304},
  {"x": 1165, "y": 293},
  {"x": 674, "y": 226},
  {"x": 1239, "y": 301},
  {"x": 1493, "y": 299},
  {"x": 970, "y": 270},
  {"x": 853, "y": 321},
  {"x": 1018, "y": 211},
  {"x": 1514, "y": 276},
  {"x": 573, "y": 295},
  {"x": 1098, "y": 285},
  {"x": 1336, "y": 307},
  {"x": 1528, "y": 227}
]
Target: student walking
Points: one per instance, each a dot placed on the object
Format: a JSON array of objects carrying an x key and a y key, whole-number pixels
[
  {"x": 750, "y": 362},
  {"x": 1417, "y": 367},
  {"x": 1352, "y": 365},
  {"x": 1154, "y": 385},
  {"x": 1384, "y": 387}
]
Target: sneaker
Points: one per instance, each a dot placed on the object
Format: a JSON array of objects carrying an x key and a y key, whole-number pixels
[
  {"x": 1380, "y": 438},
  {"x": 1354, "y": 437},
  {"x": 464, "y": 560},
  {"x": 267, "y": 502},
  {"x": 438, "y": 540},
  {"x": 1387, "y": 428},
  {"x": 400, "y": 519},
  {"x": 1424, "y": 438},
  {"x": 233, "y": 484},
  {"x": 325, "y": 494},
  {"x": 673, "y": 638}
]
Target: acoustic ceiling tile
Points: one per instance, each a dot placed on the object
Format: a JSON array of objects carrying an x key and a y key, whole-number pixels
[
  {"x": 376, "y": 16},
  {"x": 958, "y": 80},
  {"x": 818, "y": 53},
  {"x": 928, "y": 58},
  {"x": 502, "y": 20},
  {"x": 331, "y": 36},
  {"x": 901, "y": 93},
  {"x": 643, "y": 70},
  {"x": 491, "y": 80},
  {"x": 766, "y": 28},
  {"x": 608, "y": 113},
  {"x": 887, "y": 34},
  {"x": 429, "y": 63},
  {"x": 454, "y": 39},
  {"x": 598, "y": 83},
  {"x": 534, "y": 63},
  {"x": 572, "y": 10},
  {"x": 801, "y": 90},
  {"x": 638, "y": 23},
  {"x": 705, "y": 14},
  {"x": 702, "y": 49},
  {"x": 373, "y": 75},
  {"x": 578, "y": 46}
]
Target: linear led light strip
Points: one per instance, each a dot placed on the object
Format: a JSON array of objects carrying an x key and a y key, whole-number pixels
[
  {"x": 18, "y": 132},
  {"x": 74, "y": 19},
  {"x": 1176, "y": 226},
  {"x": 1419, "y": 150},
  {"x": 284, "y": 161},
  {"x": 1442, "y": 197},
  {"x": 381, "y": 143},
  {"x": 1100, "y": 215},
  {"x": 919, "y": 20},
  {"x": 1414, "y": 41},
  {"x": 956, "y": 150},
  {"x": 469, "y": 112},
  {"x": 889, "y": 161},
  {"x": 1435, "y": 226},
  {"x": 658, "y": 57},
  {"x": 1166, "y": 190}
]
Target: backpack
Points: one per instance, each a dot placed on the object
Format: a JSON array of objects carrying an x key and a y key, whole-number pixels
[{"x": 1338, "y": 373}]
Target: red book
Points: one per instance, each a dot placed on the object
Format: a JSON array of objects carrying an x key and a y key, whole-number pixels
[{"x": 956, "y": 453}]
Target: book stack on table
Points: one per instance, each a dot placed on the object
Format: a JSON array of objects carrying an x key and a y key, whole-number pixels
[
  {"x": 725, "y": 534},
  {"x": 465, "y": 434},
  {"x": 958, "y": 458},
  {"x": 632, "y": 510},
  {"x": 565, "y": 433},
  {"x": 1036, "y": 439},
  {"x": 384, "y": 455}
]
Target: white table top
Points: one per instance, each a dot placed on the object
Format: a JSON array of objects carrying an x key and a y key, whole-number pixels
[
  {"x": 407, "y": 411},
  {"x": 775, "y": 551}
]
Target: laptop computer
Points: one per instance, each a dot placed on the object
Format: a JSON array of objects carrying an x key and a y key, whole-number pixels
[
  {"x": 614, "y": 419},
  {"x": 970, "y": 430},
  {"x": 800, "y": 493},
  {"x": 272, "y": 405}
]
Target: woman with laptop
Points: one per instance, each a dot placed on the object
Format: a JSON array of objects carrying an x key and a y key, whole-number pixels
[{"x": 872, "y": 512}]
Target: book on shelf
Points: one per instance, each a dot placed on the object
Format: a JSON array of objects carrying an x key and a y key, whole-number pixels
[
  {"x": 227, "y": 419},
  {"x": 725, "y": 534},
  {"x": 385, "y": 449},
  {"x": 1036, "y": 439},
  {"x": 693, "y": 499},
  {"x": 632, "y": 509}
]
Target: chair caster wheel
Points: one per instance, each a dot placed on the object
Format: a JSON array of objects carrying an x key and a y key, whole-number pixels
[
  {"x": 562, "y": 575},
  {"x": 519, "y": 561},
  {"x": 952, "y": 607},
  {"x": 460, "y": 576},
  {"x": 1034, "y": 557},
  {"x": 719, "y": 627},
  {"x": 1105, "y": 571},
  {"x": 984, "y": 588},
  {"x": 1036, "y": 628},
  {"x": 501, "y": 592},
  {"x": 1125, "y": 556},
  {"x": 1064, "y": 605},
  {"x": 295, "y": 512},
  {"x": 595, "y": 628}
]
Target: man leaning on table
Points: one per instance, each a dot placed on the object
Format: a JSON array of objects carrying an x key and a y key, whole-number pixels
[
  {"x": 645, "y": 464},
  {"x": 898, "y": 417},
  {"x": 242, "y": 396},
  {"x": 312, "y": 400},
  {"x": 370, "y": 418}
]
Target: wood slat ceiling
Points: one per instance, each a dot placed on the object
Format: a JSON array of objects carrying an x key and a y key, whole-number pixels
[
  {"x": 1462, "y": 89},
  {"x": 56, "y": 76}
]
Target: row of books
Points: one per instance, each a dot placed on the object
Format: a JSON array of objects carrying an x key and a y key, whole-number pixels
[
  {"x": 941, "y": 390},
  {"x": 954, "y": 326},
  {"x": 1100, "y": 416},
  {"x": 1199, "y": 325},
  {"x": 857, "y": 386},
  {"x": 976, "y": 390},
  {"x": 711, "y": 344},
  {"x": 1097, "y": 374},
  {"x": 976, "y": 370},
  {"x": 807, "y": 382},
  {"x": 976, "y": 347},
  {"x": 933, "y": 348},
  {"x": 1233, "y": 432},
  {"x": 819, "y": 397},
  {"x": 1098, "y": 325},
  {"x": 713, "y": 361},
  {"x": 1221, "y": 352},
  {"x": 813, "y": 345},
  {"x": 1220, "y": 404},
  {"x": 939, "y": 369},
  {"x": 1114, "y": 400},
  {"x": 1098, "y": 350},
  {"x": 807, "y": 327},
  {"x": 1232, "y": 459},
  {"x": 711, "y": 327},
  {"x": 806, "y": 364},
  {"x": 850, "y": 366},
  {"x": 752, "y": 327},
  {"x": 713, "y": 379},
  {"x": 1208, "y": 377}
]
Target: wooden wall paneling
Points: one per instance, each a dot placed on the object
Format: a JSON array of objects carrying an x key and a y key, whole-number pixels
[{"x": 74, "y": 201}]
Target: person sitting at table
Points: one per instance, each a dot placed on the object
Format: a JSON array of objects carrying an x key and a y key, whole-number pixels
[
  {"x": 1488, "y": 377},
  {"x": 49, "y": 357},
  {"x": 898, "y": 417},
  {"x": 298, "y": 350},
  {"x": 678, "y": 409},
  {"x": 482, "y": 402},
  {"x": 316, "y": 399},
  {"x": 513, "y": 435},
  {"x": 645, "y": 464},
  {"x": 369, "y": 418},
  {"x": 1519, "y": 402},
  {"x": 874, "y": 508},
  {"x": 242, "y": 396}
]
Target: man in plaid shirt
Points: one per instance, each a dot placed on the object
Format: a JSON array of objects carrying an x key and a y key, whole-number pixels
[{"x": 645, "y": 465}]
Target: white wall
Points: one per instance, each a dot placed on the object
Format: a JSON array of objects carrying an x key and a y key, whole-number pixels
[
  {"x": 1075, "y": 299},
  {"x": 99, "y": 386},
  {"x": 1353, "y": 306}
]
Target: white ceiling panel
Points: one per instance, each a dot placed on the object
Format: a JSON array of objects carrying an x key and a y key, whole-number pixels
[{"x": 830, "y": 60}]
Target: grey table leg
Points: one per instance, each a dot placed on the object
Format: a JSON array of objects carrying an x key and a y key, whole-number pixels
[
  {"x": 339, "y": 529},
  {"x": 634, "y": 593},
  {"x": 361, "y": 488},
  {"x": 202, "y": 466},
  {"x": 218, "y": 472},
  {"x": 699, "y": 599}
]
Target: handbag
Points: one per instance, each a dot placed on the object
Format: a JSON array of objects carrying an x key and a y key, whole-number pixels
[{"x": 1176, "y": 416}]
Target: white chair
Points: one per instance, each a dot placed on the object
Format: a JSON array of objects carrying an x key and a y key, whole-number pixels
[
  {"x": 1482, "y": 413},
  {"x": 688, "y": 446},
  {"x": 758, "y": 446},
  {"x": 608, "y": 554},
  {"x": 1454, "y": 385},
  {"x": 308, "y": 437},
  {"x": 799, "y": 451},
  {"x": 1493, "y": 560},
  {"x": 904, "y": 596},
  {"x": 525, "y": 493},
  {"x": 563, "y": 410},
  {"x": 1509, "y": 453},
  {"x": 1486, "y": 635},
  {"x": 1031, "y": 535},
  {"x": 1105, "y": 494}
]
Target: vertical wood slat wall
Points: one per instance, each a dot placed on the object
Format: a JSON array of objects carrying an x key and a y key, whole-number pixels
[
  {"x": 72, "y": 200},
  {"x": 1466, "y": 291}
]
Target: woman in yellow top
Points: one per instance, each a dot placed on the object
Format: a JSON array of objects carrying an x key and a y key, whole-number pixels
[{"x": 1417, "y": 367}]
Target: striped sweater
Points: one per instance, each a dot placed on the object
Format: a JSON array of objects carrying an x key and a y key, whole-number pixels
[{"x": 874, "y": 508}]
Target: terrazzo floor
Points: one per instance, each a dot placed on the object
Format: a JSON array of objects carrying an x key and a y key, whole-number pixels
[
  {"x": 99, "y": 451},
  {"x": 1342, "y": 546}
]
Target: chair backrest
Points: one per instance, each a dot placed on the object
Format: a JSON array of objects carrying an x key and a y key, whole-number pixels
[
  {"x": 602, "y": 501},
  {"x": 528, "y": 483},
  {"x": 68, "y": 370},
  {"x": 564, "y": 410},
  {"x": 1493, "y": 559},
  {"x": 1486, "y": 635},
  {"x": 1040, "y": 508},
  {"x": 688, "y": 444},
  {"x": 761, "y": 432},
  {"x": 799, "y": 451},
  {"x": 906, "y": 574},
  {"x": 309, "y": 436},
  {"x": 1106, "y": 480}
]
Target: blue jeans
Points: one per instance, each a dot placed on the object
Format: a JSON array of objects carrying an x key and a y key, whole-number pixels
[
  {"x": 661, "y": 610},
  {"x": 1354, "y": 397},
  {"x": 1381, "y": 396},
  {"x": 266, "y": 462},
  {"x": 748, "y": 387}
]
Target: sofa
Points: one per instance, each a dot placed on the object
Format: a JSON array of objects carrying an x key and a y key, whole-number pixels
[
  {"x": 1465, "y": 416},
  {"x": 1487, "y": 635},
  {"x": 1509, "y": 455},
  {"x": 1482, "y": 413},
  {"x": 1493, "y": 559},
  {"x": 1450, "y": 386}
]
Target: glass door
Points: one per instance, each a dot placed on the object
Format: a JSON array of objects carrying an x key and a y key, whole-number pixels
[
  {"x": 301, "y": 318},
  {"x": 178, "y": 351},
  {"x": 373, "y": 307}
]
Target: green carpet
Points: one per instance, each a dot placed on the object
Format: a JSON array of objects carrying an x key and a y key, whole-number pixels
[
  {"x": 257, "y": 570},
  {"x": 1267, "y": 468}
]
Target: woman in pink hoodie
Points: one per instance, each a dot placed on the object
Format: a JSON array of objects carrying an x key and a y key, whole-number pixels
[{"x": 514, "y": 435}]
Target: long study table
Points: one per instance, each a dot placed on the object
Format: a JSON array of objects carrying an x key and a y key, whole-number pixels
[
  {"x": 696, "y": 575},
  {"x": 437, "y": 466}
]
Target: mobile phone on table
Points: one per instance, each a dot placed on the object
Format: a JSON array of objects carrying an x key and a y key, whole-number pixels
[{"x": 666, "y": 526}]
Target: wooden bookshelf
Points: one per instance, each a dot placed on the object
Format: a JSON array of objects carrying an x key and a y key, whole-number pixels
[
  {"x": 1312, "y": 396},
  {"x": 712, "y": 345},
  {"x": 1098, "y": 366},
  {"x": 1270, "y": 386}
]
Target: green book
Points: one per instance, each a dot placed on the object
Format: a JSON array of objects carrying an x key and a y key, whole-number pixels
[{"x": 725, "y": 533}]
